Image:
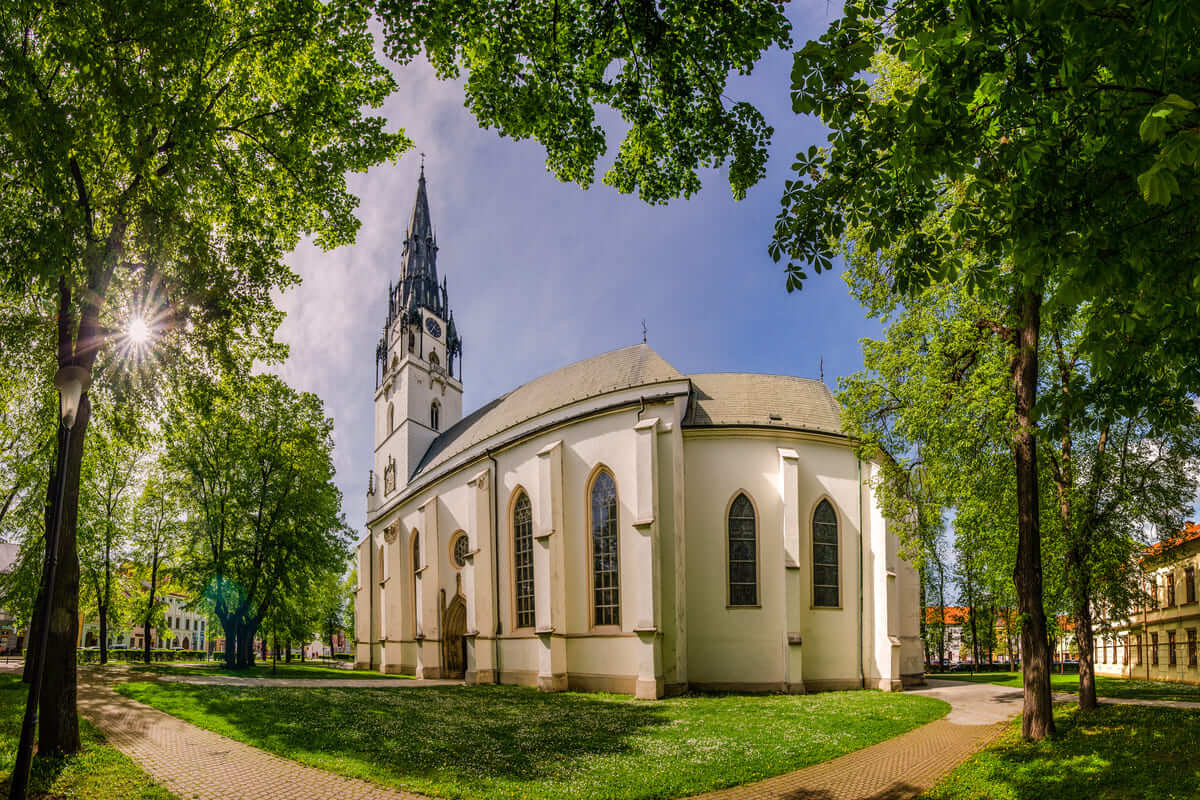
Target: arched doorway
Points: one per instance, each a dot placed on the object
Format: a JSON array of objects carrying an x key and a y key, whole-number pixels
[
  {"x": 185, "y": 643},
  {"x": 454, "y": 642}
]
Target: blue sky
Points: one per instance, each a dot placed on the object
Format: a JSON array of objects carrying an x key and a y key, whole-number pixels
[{"x": 543, "y": 273}]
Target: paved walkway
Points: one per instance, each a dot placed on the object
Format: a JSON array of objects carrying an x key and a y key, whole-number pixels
[
  {"x": 197, "y": 764},
  {"x": 902, "y": 767},
  {"x": 1064, "y": 697},
  {"x": 303, "y": 683}
]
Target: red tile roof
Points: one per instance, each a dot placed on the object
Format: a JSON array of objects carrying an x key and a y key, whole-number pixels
[
  {"x": 1190, "y": 533},
  {"x": 954, "y": 615}
]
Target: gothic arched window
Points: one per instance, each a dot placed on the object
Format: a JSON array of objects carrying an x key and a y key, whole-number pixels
[
  {"x": 606, "y": 582},
  {"x": 435, "y": 415},
  {"x": 743, "y": 553},
  {"x": 522, "y": 526},
  {"x": 825, "y": 556},
  {"x": 391, "y": 417},
  {"x": 416, "y": 568}
]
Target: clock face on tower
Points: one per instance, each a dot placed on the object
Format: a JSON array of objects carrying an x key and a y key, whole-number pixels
[{"x": 434, "y": 329}]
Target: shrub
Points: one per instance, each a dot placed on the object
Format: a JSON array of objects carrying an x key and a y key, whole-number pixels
[
  {"x": 343, "y": 656},
  {"x": 91, "y": 655}
]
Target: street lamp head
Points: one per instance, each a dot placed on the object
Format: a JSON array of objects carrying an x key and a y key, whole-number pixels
[{"x": 72, "y": 382}]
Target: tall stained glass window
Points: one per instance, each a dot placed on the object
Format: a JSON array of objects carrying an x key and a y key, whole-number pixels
[
  {"x": 606, "y": 584},
  {"x": 825, "y": 556},
  {"x": 523, "y": 559},
  {"x": 743, "y": 553}
]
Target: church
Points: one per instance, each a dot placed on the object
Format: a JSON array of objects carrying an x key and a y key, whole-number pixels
[{"x": 617, "y": 525}]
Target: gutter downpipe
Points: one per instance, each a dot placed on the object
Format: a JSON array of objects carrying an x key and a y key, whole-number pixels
[
  {"x": 495, "y": 558},
  {"x": 862, "y": 678}
]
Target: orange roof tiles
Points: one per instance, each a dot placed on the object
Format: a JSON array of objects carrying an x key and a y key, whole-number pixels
[
  {"x": 1190, "y": 533},
  {"x": 954, "y": 615}
]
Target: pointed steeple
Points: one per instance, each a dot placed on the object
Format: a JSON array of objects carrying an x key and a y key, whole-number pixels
[
  {"x": 418, "y": 287},
  {"x": 418, "y": 261}
]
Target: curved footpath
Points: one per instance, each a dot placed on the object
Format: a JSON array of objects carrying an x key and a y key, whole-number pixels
[{"x": 197, "y": 764}]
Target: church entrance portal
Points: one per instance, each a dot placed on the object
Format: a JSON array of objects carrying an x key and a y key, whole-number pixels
[{"x": 454, "y": 642}]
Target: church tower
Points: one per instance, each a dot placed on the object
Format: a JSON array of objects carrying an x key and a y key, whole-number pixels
[{"x": 417, "y": 391}]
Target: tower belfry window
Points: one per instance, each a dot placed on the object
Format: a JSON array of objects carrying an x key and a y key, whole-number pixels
[{"x": 435, "y": 413}]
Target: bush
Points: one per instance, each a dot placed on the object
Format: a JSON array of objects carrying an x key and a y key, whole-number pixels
[
  {"x": 91, "y": 655},
  {"x": 343, "y": 656}
]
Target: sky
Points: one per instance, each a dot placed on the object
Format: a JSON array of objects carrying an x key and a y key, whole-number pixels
[{"x": 543, "y": 273}]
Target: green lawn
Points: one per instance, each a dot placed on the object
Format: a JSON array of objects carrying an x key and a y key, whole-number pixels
[
  {"x": 97, "y": 771},
  {"x": 1105, "y": 686},
  {"x": 1114, "y": 753},
  {"x": 260, "y": 670},
  {"x": 514, "y": 742}
]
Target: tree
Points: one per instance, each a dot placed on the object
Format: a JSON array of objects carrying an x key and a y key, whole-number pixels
[
  {"x": 540, "y": 69},
  {"x": 1035, "y": 136},
  {"x": 256, "y": 463},
  {"x": 108, "y": 483},
  {"x": 156, "y": 541},
  {"x": 162, "y": 157}
]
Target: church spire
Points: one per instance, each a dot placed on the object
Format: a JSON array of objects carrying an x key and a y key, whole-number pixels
[
  {"x": 418, "y": 260},
  {"x": 418, "y": 290}
]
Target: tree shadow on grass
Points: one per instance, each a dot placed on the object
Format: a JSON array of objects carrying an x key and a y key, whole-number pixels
[
  {"x": 507, "y": 732},
  {"x": 1114, "y": 752}
]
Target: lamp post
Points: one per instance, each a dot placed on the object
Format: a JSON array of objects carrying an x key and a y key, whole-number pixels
[{"x": 72, "y": 382}]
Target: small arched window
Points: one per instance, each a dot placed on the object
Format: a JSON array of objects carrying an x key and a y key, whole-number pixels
[
  {"x": 522, "y": 522},
  {"x": 379, "y": 568},
  {"x": 606, "y": 582},
  {"x": 391, "y": 417},
  {"x": 416, "y": 568},
  {"x": 825, "y": 556},
  {"x": 435, "y": 415},
  {"x": 743, "y": 553}
]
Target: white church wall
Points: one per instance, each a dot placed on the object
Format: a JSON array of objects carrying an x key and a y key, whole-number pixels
[{"x": 748, "y": 647}]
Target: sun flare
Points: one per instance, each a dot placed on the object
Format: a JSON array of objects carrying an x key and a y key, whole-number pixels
[{"x": 139, "y": 331}]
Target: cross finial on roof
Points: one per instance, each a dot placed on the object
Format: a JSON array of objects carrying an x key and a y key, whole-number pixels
[
  {"x": 821, "y": 368},
  {"x": 643, "y": 331}
]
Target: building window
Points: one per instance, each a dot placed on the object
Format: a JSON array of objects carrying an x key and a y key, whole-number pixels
[
  {"x": 1170, "y": 648},
  {"x": 1154, "y": 592},
  {"x": 1189, "y": 584},
  {"x": 1191, "y": 634},
  {"x": 522, "y": 522},
  {"x": 743, "y": 553},
  {"x": 460, "y": 547},
  {"x": 435, "y": 415},
  {"x": 412, "y": 342},
  {"x": 416, "y": 568},
  {"x": 606, "y": 583},
  {"x": 1137, "y": 652},
  {"x": 391, "y": 417},
  {"x": 1171, "y": 588},
  {"x": 825, "y": 556},
  {"x": 1125, "y": 650},
  {"x": 1154, "y": 649}
]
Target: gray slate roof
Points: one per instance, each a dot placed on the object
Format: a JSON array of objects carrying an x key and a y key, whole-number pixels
[
  {"x": 739, "y": 398},
  {"x": 620, "y": 369}
]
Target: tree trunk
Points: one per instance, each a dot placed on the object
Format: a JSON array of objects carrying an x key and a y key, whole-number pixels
[
  {"x": 150, "y": 606},
  {"x": 1087, "y": 666},
  {"x": 58, "y": 730},
  {"x": 1037, "y": 717},
  {"x": 103, "y": 609}
]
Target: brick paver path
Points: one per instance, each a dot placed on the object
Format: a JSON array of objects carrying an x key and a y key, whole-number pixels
[
  {"x": 902, "y": 767},
  {"x": 197, "y": 764}
]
